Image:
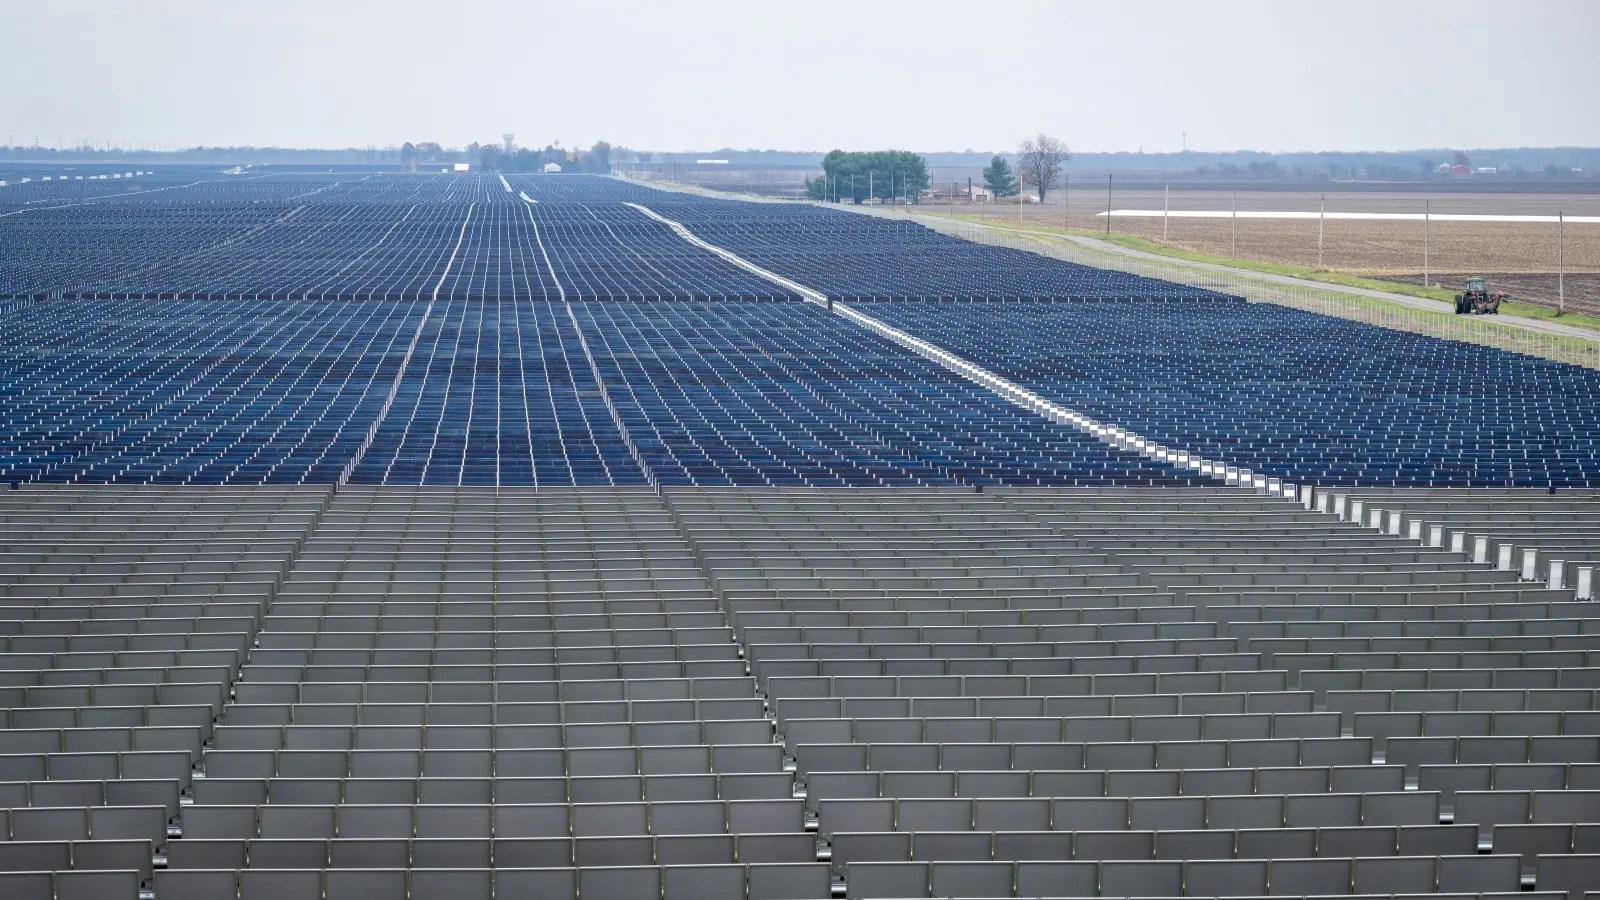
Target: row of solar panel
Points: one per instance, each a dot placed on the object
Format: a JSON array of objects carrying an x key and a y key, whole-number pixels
[
  {"x": 505, "y": 393},
  {"x": 1295, "y": 395},
  {"x": 510, "y": 392},
  {"x": 280, "y": 235}
]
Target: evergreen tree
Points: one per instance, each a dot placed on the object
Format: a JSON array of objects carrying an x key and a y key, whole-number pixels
[{"x": 999, "y": 178}]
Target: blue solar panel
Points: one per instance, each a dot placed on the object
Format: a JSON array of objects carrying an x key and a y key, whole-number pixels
[
  {"x": 498, "y": 393},
  {"x": 190, "y": 326},
  {"x": 606, "y": 251},
  {"x": 849, "y": 256},
  {"x": 195, "y": 391},
  {"x": 297, "y": 236},
  {"x": 1288, "y": 393},
  {"x": 789, "y": 394}
]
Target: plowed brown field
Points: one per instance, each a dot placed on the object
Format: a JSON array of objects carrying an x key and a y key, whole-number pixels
[{"x": 1387, "y": 249}]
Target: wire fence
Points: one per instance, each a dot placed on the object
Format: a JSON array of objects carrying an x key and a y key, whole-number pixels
[{"x": 1469, "y": 329}]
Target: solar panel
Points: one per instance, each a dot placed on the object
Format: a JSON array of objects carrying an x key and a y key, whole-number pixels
[
  {"x": 416, "y": 330},
  {"x": 479, "y": 537}
]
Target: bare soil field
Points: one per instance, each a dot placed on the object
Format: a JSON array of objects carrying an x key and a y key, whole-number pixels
[
  {"x": 1365, "y": 247},
  {"x": 1573, "y": 203},
  {"x": 1385, "y": 249}
]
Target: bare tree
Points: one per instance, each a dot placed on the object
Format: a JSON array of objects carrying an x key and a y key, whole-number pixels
[{"x": 1039, "y": 162}]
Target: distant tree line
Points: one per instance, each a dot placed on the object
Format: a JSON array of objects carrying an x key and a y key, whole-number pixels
[
  {"x": 491, "y": 156},
  {"x": 1510, "y": 163},
  {"x": 1563, "y": 163},
  {"x": 505, "y": 157},
  {"x": 881, "y": 175},
  {"x": 206, "y": 155}
]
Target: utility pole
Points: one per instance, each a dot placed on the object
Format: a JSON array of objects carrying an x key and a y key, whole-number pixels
[
  {"x": 1108, "y": 204},
  {"x": 1561, "y": 263},
  {"x": 1235, "y": 250},
  {"x": 869, "y": 184},
  {"x": 1166, "y": 206},
  {"x": 1322, "y": 215},
  {"x": 1066, "y": 200},
  {"x": 1021, "y": 194},
  {"x": 1426, "y": 215}
]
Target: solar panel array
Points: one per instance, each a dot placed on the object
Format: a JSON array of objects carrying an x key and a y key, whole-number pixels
[
  {"x": 1308, "y": 398},
  {"x": 498, "y": 393},
  {"x": 788, "y": 394},
  {"x": 436, "y": 356},
  {"x": 780, "y": 695},
  {"x": 196, "y": 391},
  {"x": 469, "y": 537},
  {"x": 860, "y": 258}
]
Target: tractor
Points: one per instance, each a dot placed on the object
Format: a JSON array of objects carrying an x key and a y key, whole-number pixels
[{"x": 1477, "y": 300}]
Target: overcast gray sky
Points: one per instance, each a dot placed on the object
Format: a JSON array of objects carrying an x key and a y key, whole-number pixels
[{"x": 701, "y": 74}]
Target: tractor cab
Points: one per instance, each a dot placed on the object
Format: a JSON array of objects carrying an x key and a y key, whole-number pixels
[{"x": 1477, "y": 300}]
